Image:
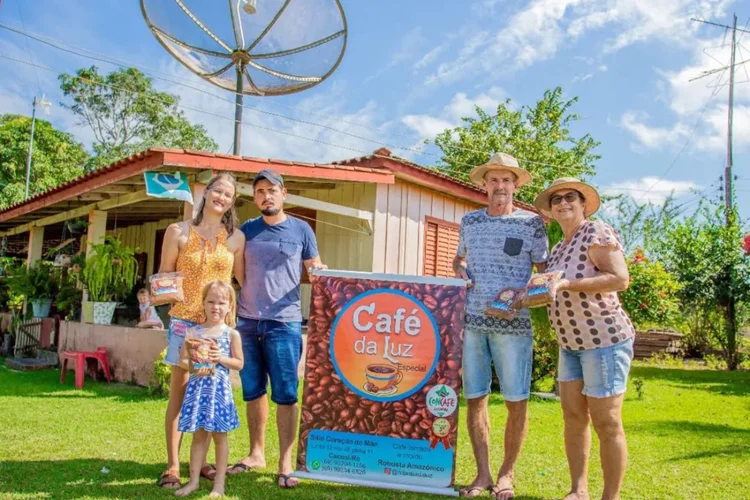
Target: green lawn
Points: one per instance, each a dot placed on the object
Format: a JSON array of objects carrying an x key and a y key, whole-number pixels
[{"x": 689, "y": 438}]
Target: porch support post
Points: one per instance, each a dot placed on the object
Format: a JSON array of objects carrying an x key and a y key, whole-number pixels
[
  {"x": 36, "y": 240},
  {"x": 97, "y": 230}
]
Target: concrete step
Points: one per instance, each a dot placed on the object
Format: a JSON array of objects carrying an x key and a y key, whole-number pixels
[{"x": 29, "y": 364}]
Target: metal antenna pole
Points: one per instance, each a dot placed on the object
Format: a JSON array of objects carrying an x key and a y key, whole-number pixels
[
  {"x": 238, "y": 113},
  {"x": 31, "y": 148},
  {"x": 728, "y": 169}
]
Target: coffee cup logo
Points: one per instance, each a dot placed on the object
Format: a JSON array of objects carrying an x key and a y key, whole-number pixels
[
  {"x": 382, "y": 377},
  {"x": 384, "y": 345}
]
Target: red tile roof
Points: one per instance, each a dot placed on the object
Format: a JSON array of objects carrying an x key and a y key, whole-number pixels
[
  {"x": 461, "y": 186},
  {"x": 157, "y": 157}
]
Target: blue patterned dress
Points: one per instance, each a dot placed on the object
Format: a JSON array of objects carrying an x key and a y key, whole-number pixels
[{"x": 209, "y": 403}]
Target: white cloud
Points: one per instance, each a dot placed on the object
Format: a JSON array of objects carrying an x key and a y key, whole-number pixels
[
  {"x": 543, "y": 27},
  {"x": 406, "y": 50},
  {"x": 650, "y": 189},
  {"x": 652, "y": 137},
  {"x": 429, "y": 57},
  {"x": 698, "y": 105},
  {"x": 460, "y": 106},
  {"x": 425, "y": 125}
]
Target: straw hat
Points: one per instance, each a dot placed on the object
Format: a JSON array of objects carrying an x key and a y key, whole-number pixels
[
  {"x": 589, "y": 193},
  {"x": 500, "y": 161}
]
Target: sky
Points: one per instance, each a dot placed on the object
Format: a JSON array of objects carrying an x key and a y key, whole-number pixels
[{"x": 412, "y": 69}]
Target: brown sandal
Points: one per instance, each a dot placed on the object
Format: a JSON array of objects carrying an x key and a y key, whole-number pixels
[
  {"x": 208, "y": 472},
  {"x": 168, "y": 481}
]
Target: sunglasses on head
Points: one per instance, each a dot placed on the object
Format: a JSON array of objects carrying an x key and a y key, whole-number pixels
[{"x": 569, "y": 197}]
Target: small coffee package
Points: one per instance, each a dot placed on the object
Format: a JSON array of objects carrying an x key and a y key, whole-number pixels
[
  {"x": 541, "y": 289},
  {"x": 166, "y": 288},
  {"x": 198, "y": 351},
  {"x": 506, "y": 303}
]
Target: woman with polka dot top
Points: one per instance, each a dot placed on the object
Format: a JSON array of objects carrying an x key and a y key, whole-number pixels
[{"x": 594, "y": 333}]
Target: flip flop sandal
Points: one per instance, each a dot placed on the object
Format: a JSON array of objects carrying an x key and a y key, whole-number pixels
[
  {"x": 208, "y": 472},
  {"x": 496, "y": 491},
  {"x": 465, "y": 491},
  {"x": 168, "y": 481},
  {"x": 238, "y": 468},
  {"x": 286, "y": 478}
]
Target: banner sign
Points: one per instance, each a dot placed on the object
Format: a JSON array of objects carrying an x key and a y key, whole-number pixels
[
  {"x": 382, "y": 376},
  {"x": 165, "y": 185}
]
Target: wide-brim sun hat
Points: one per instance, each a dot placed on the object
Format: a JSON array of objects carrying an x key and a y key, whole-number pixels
[
  {"x": 591, "y": 196},
  {"x": 500, "y": 161}
]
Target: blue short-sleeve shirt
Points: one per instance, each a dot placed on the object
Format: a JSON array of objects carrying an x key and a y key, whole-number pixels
[
  {"x": 499, "y": 253},
  {"x": 273, "y": 268}
]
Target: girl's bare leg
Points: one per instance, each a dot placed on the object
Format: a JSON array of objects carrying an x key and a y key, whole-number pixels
[
  {"x": 222, "y": 456},
  {"x": 201, "y": 440},
  {"x": 177, "y": 385}
]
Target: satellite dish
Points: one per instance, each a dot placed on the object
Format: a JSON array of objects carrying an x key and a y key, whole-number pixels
[{"x": 253, "y": 47}]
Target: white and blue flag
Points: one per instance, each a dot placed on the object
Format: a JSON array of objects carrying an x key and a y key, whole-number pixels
[{"x": 168, "y": 185}]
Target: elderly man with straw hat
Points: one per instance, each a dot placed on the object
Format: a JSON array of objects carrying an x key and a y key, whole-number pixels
[{"x": 498, "y": 246}]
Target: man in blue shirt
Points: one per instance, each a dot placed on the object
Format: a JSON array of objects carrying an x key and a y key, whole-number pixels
[{"x": 270, "y": 320}]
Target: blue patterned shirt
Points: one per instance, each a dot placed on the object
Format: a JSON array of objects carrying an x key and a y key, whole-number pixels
[{"x": 499, "y": 253}]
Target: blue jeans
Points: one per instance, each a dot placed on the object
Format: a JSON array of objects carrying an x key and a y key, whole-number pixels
[
  {"x": 604, "y": 371},
  {"x": 512, "y": 355},
  {"x": 175, "y": 338},
  {"x": 272, "y": 350}
]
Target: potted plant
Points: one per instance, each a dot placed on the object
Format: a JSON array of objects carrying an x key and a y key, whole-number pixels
[
  {"x": 110, "y": 272},
  {"x": 38, "y": 283}
]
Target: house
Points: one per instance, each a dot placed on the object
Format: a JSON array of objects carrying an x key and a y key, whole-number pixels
[{"x": 376, "y": 213}]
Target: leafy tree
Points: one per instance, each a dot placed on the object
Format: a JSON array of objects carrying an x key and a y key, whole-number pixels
[
  {"x": 706, "y": 255},
  {"x": 641, "y": 226},
  {"x": 56, "y": 158},
  {"x": 128, "y": 115},
  {"x": 539, "y": 136}
]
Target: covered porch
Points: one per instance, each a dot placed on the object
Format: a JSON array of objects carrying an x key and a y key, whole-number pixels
[{"x": 338, "y": 201}]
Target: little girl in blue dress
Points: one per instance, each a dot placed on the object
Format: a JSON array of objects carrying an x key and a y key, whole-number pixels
[{"x": 208, "y": 409}]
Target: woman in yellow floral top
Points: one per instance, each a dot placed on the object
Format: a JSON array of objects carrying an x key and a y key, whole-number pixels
[
  {"x": 594, "y": 333},
  {"x": 204, "y": 249}
]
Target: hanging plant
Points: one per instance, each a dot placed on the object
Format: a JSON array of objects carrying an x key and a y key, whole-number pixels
[{"x": 110, "y": 271}]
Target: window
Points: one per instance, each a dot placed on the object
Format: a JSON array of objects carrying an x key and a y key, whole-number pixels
[{"x": 440, "y": 245}]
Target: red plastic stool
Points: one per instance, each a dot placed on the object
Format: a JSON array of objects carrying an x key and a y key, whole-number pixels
[
  {"x": 101, "y": 356},
  {"x": 80, "y": 360}
]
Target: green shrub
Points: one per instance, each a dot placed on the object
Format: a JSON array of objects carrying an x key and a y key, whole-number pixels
[
  {"x": 546, "y": 348},
  {"x": 651, "y": 298},
  {"x": 714, "y": 362},
  {"x": 158, "y": 385},
  {"x": 638, "y": 384},
  {"x": 664, "y": 360}
]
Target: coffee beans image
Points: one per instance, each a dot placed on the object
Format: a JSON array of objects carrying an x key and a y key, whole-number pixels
[{"x": 329, "y": 404}]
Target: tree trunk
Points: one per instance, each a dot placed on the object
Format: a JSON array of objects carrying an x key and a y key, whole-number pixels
[{"x": 731, "y": 332}]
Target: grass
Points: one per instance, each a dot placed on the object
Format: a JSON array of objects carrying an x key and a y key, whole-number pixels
[{"x": 689, "y": 437}]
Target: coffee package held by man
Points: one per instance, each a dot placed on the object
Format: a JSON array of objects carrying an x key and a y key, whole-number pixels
[
  {"x": 541, "y": 289},
  {"x": 166, "y": 288},
  {"x": 198, "y": 351},
  {"x": 506, "y": 303}
]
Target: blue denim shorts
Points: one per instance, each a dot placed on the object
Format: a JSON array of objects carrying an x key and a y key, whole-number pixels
[
  {"x": 604, "y": 371},
  {"x": 272, "y": 350},
  {"x": 175, "y": 339},
  {"x": 512, "y": 355}
]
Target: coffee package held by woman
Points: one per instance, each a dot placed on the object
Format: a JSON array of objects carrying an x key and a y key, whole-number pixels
[
  {"x": 541, "y": 289},
  {"x": 166, "y": 288},
  {"x": 505, "y": 303},
  {"x": 198, "y": 352}
]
